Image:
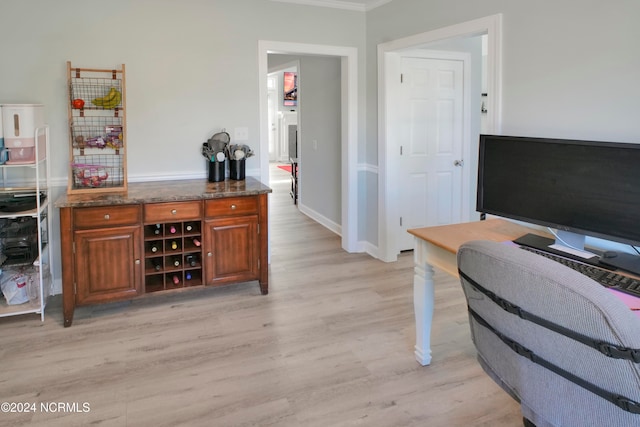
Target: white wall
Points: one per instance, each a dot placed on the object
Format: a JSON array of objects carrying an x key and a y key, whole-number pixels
[
  {"x": 570, "y": 68},
  {"x": 321, "y": 140},
  {"x": 192, "y": 68}
]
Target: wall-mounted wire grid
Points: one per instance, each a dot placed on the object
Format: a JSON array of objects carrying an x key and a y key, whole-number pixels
[{"x": 97, "y": 130}]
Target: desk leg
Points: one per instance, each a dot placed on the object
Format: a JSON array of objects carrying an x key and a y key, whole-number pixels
[{"x": 423, "y": 296}]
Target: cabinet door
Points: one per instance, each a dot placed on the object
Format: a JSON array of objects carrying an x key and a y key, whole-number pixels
[
  {"x": 231, "y": 249},
  {"x": 108, "y": 266}
]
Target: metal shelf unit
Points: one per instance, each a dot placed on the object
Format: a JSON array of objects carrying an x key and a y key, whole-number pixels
[{"x": 29, "y": 179}]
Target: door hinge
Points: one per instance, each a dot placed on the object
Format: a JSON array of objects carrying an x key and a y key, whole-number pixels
[
  {"x": 258, "y": 263},
  {"x": 73, "y": 247},
  {"x": 75, "y": 288},
  {"x": 400, "y": 221},
  {"x": 401, "y": 150},
  {"x": 401, "y": 78},
  {"x": 258, "y": 228}
]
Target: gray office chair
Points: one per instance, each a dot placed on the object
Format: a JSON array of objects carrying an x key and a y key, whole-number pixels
[{"x": 559, "y": 343}]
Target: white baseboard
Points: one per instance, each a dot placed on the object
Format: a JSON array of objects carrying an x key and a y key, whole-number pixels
[
  {"x": 361, "y": 247},
  {"x": 321, "y": 219},
  {"x": 369, "y": 248},
  {"x": 56, "y": 287}
]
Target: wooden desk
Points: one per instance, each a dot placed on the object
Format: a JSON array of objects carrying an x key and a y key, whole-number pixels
[{"x": 437, "y": 247}]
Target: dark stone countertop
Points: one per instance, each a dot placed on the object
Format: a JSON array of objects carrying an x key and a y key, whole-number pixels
[{"x": 166, "y": 191}]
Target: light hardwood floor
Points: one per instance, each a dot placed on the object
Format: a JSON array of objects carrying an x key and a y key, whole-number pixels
[{"x": 331, "y": 345}]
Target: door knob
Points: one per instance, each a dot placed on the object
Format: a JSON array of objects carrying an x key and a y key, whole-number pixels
[{"x": 458, "y": 163}]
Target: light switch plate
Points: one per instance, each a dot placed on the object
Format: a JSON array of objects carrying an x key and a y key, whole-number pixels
[{"x": 241, "y": 134}]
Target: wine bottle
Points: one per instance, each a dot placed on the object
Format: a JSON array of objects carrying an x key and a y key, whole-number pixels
[
  {"x": 189, "y": 227},
  {"x": 188, "y": 276},
  {"x": 174, "y": 245},
  {"x": 172, "y": 229},
  {"x": 176, "y": 279},
  {"x": 158, "y": 229},
  {"x": 196, "y": 242},
  {"x": 192, "y": 260},
  {"x": 176, "y": 261},
  {"x": 157, "y": 266},
  {"x": 154, "y": 247}
]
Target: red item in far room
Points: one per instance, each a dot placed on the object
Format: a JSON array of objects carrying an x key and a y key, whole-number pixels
[{"x": 285, "y": 168}]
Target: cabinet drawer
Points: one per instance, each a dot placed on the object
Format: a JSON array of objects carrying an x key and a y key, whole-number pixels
[
  {"x": 172, "y": 211},
  {"x": 106, "y": 216},
  {"x": 231, "y": 206}
]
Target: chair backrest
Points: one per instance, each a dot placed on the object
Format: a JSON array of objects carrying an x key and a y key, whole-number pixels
[{"x": 536, "y": 325}]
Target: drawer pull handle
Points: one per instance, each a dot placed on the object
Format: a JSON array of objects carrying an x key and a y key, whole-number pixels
[
  {"x": 137, "y": 262},
  {"x": 209, "y": 254},
  {"x": 106, "y": 216},
  {"x": 233, "y": 207},
  {"x": 173, "y": 211}
]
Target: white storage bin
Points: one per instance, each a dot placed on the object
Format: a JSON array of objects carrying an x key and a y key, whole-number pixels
[{"x": 19, "y": 122}]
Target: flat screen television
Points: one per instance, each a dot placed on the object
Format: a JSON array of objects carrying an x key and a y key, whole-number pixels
[{"x": 580, "y": 188}]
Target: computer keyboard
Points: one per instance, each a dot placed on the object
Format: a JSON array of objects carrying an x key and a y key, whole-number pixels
[{"x": 604, "y": 277}]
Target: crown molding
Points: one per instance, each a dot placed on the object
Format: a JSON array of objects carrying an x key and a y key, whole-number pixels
[
  {"x": 372, "y": 4},
  {"x": 340, "y": 4}
]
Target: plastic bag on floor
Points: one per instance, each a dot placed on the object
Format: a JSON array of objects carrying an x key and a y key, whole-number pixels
[{"x": 14, "y": 287}]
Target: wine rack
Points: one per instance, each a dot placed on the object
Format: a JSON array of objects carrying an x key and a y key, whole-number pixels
[{"x": 172, "y": 255}]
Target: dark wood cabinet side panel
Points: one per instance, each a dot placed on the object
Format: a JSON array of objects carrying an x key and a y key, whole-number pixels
[
  {"x": 68, "y": 266},
  {"x": 263, "y": 255}
]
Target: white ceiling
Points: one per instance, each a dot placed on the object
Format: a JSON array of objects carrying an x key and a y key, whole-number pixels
[{"x": 359, "y": 5}]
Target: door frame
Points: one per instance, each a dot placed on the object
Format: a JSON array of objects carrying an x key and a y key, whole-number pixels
[
  {"x": 387, "y": 159},
  {"x": 394, "y": 67},
  {"x": 276, "y": 137},
  {"x": 349, "y": 107}
]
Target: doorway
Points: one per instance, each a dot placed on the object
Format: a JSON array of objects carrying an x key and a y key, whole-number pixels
[
  {"x": 389, "y": 227},
  {"x": 349, "y": 132}
]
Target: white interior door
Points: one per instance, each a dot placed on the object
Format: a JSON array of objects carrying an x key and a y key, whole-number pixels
[{"x": 431, "y": 133}]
